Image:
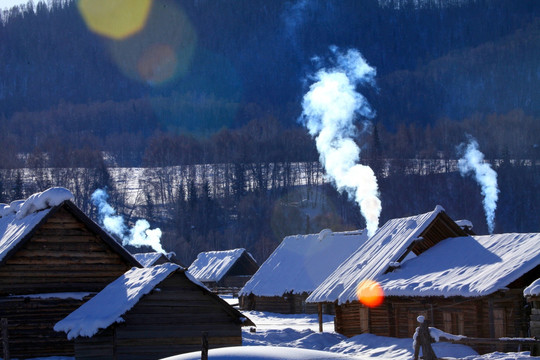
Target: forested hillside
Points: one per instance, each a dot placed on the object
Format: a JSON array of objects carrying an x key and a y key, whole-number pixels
[{"x": 76, "y": 106}]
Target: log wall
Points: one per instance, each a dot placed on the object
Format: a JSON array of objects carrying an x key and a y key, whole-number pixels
[
  {"x": 499, "y": 315},
  {"x": 63, "y": 255},
  {"x": 286, "y": 304},
  {"x": 31, "y": 322}
]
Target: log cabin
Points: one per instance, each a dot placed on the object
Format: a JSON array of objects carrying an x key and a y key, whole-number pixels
[
  {"x": 532, "y": 295},
  {"x": 297, "y": 266},
  {"x": 463, "y": 284},
  {"x": 152, "y": 313},
  {"x": 52, "y": 258},
  {"x": 228, "y": 270}
]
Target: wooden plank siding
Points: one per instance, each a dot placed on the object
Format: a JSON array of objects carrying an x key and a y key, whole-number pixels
[
  {"x": 471, "y": 317},
  {"x": 286, "y": 304},
  {"x": 31, "y": 322},
  {"x": 62, "y": 255},
  {"x": 168, "y": 321}
]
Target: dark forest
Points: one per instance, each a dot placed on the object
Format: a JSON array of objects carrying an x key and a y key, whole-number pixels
[{"x": 75, "y": 106}]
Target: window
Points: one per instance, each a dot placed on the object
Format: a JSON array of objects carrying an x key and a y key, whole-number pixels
[{"x": 453, "y": 322}]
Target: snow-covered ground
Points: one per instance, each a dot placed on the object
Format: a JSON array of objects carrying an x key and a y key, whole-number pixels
[
  {"x": 274, "y": 332},
  {"x": 276, "y": 335}
]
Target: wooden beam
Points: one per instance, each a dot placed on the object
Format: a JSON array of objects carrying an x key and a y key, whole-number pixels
[
  {"x": 5, "y": 338},
  {"x": 491, "y": 318},
  {"x": 204, "y": 350},
  {"x": 319, "y": 312}
]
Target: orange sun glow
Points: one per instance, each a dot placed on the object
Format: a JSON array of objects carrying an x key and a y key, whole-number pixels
[{"x": 370, "y": 293}]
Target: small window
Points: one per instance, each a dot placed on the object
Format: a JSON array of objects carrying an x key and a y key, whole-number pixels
[
  {"x": 499, "y": 322},
  {"x": 453, "y": 323}
]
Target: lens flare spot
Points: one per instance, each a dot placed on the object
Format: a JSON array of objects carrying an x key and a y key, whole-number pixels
[
  {"x": 161, "y": 52},
  {"x": 370, "y": 293},
  {"x": 157, "y": 64},
  {"x": 116, "y": 19}
]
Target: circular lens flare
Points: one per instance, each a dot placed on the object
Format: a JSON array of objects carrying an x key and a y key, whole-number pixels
[
  {"x": 157, "y": 64},
  {"x": 116, "y": 19},
  {"x": 162, "y": 51},
  {"x": 370, "y": 293}
]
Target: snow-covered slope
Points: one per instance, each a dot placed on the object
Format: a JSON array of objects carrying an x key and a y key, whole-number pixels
[
  {"x": 213, "y": 265},
  {"x": 465, "y": 266}
]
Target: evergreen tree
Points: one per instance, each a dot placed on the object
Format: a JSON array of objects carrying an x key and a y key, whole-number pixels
[{"x": 18, "y": 187}]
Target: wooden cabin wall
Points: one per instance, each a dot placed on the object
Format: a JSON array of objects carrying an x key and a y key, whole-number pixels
[
  {"x": 472, "y": 317},
  {"x": 351, "y": 319},
  {"x": 237, "y": 281},
  {"x": 245, "y": 265},
  {"x": 62, "y": 256},
  {"x": 168, "y": 322},
  {"x": 97, "y": 347},
  {"x": 287, "y": 304},
  {"x": 31, "y": 322},
  {"x": 277, "y": 304}
]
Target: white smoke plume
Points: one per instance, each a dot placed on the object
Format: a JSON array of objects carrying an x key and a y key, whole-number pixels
[
  {"x": 139, "y": 235},
  {"x": 294, "y": 17},
  {"x": 472, "y": 161},
  {"x": 330, "y": 109}
]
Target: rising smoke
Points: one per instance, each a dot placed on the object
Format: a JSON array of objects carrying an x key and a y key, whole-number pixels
[
  {"x": 294, "y": 17},
  {"x": 139, "y": 235},
  {"x": 330, "y": 108},
  {"x": 472, "y": 161}
]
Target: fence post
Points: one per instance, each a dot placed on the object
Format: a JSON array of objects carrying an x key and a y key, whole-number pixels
[
  {"x": 423, "y": 339},
  {"x": 320, "y": 316},
  {"x": 204, "y": 351},
  {"x": 5, "y": 338}
]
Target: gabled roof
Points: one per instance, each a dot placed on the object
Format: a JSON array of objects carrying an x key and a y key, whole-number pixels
[
  {"x": 466, "y": 266},
  {"x": 156, "y": 258},
  {"x": 212, "y": 266},
  {"x": 20, "y": 219},
  {"x": 109, "y": 305},
  {"x": 301, "y": 262},
  {"x": 393, "y": 243},
  {"x": 151, "y": 258}
]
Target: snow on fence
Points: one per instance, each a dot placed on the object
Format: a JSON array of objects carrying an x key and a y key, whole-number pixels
[{"x": 424, "y": 336}]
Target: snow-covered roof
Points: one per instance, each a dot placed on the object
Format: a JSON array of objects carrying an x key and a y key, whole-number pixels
[
  {"x": 465, "y": 266},
  {"x": 149, "y": 258},
  {"x": 467, "y": 224},
  {"x": 20, "y": 217},
  {"x": 108, "y": 306},
  {"x": 533, "y": 289},
  {"x": 301, "y": 262},
  {"x": 213, "y": 265},
  {"x": 373, "y": 258}
]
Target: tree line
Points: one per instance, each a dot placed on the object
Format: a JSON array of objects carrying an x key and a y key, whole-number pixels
[
  {"x": 252, "y": 186},
  {"x": 222, "y": 160}
]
